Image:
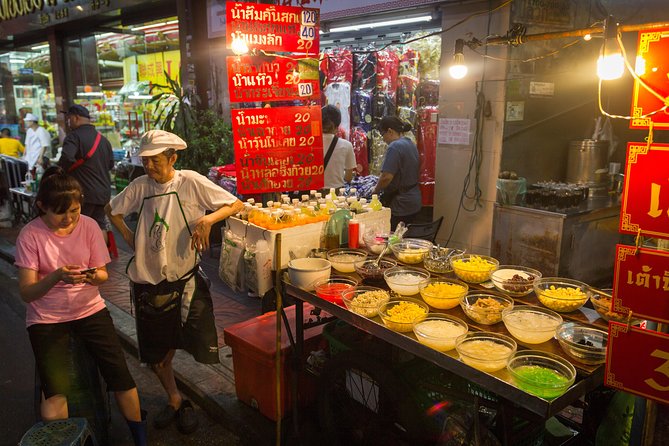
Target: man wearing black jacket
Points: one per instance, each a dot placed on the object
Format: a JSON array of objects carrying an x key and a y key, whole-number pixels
[{"x": 88, "y": 157}]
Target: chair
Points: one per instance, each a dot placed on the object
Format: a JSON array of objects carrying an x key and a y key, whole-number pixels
[
  {"x": 69, "y": 432},
  {"x": 425, "y": 231},
  {"x": 15, "y": 171}
]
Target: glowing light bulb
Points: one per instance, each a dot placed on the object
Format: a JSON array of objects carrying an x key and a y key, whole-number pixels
[
  {"x": 611, "y": 64},
  {"x": 458, "y": 69},
  {"x": 239, "y": 46}
]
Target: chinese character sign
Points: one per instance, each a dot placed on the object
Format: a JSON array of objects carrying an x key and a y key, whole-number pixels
[
  {"x": 641, "y": 283},
  {"x": 649, "y": 351},
  {"x": 273, "y": 28},
  {"x": 644, "y": 207},
  {"x": 278, "y": 149},
  {"x": 271, "y": 78},
  {"x": 652, "y": 67}
]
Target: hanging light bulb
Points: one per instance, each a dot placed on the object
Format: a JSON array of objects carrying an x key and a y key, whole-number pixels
[
  {"x": 458, "y": 69},
  {"x": 610, "y": 64},
  {"x": 239, "y": 45}
]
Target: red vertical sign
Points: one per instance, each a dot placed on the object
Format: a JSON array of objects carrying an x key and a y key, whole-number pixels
[
  {"x": 647, "y": 374},
  {"x": 652, "y": 68},
  {"x": 644, "y": 207}
]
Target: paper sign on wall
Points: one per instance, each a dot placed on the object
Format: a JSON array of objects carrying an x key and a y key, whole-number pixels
[{"x": 454, "y": 131}]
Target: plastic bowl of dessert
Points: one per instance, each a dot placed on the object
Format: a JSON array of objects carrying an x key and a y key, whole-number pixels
[
  {"x": 473, "y": 268},
  {"x": 371, "y": 272},
  {"x": 531, "y": 325},
  {"x": 375, "y": 241},
  {"x": 365, "y": 300},
  {"x": 344, "y": 260},
  {"x": 488, "y": 352},
  {"x": 439, "y": 331},
  {"x": 583, "y": 343},
  {"x": 411, "y": 250},
  {"x": 404, "y": 280},
  {"x": 541, "y": 374},
  {"x": 602, "y": 302},
  {"x": 443, "y": 294},
  {"x": 399, "y": 314},
  {"x": 562, "y": 295},
  {"x": 438, "y": 259},
  {"x": 485, "y": 307},
  {"x": 514, "y": 280},
  {"x": 332, "y": 288}
]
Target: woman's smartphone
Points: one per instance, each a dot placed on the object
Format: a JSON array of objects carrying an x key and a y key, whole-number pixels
[{"x": 89, "y": 270}]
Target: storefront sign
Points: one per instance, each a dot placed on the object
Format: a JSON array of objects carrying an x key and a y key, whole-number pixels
[
  {"x": 649, "y": 351},
  {"x": 278, "y": 149},
  {"x": 273, "y": 28},
  {"x": 644, "y": 208},
  {"x": 641, "y": 283},
  {"x": 651, "y": 55},
  {"x": 272, "y": 78}
]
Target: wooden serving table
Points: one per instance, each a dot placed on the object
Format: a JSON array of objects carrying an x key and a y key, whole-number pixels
[{"x": 500, "y": 383}]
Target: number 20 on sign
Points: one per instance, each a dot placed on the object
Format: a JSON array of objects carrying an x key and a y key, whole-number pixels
[
  {"x": 648, "y": 351},
  {"x": 645, "y": 202}
]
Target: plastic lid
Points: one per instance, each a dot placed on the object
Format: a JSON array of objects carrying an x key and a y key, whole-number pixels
[
  {"x": 354, "y": 221},
  {"x": 251, "y": 201},
  {"x": 375, "y": 196},
  {"x": 270, "y": 204},
  {"x": 305, "y": 197}
]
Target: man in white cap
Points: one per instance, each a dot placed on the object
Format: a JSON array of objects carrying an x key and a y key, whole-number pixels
[
  {"x": 37, "y": 141},
  {"x": 173, "y": 307}
]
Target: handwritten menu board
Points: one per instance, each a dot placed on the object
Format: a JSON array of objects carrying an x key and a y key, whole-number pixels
[
  {"x": 273, "y": 28},
  {"x": 652, "y": 69},
  {"x": 647, "y": 374},
  {"x": 644, "y": 206},
  {"x": 272, "y": 78},
  {"x": 278, "y": 149},
  {"x": 641, "y": 283}
]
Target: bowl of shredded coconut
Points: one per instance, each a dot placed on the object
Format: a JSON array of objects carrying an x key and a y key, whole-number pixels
[{"x": 405, "y": 281}]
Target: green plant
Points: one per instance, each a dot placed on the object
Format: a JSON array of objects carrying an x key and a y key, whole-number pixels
[
  {"x": 209, "y": 144},
  {"x": 174, "y": 107}
]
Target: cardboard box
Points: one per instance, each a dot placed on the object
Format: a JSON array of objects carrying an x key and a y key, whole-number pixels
[
  {"x": 253, "y": 345},
  {"x": 301, "y": 239}
]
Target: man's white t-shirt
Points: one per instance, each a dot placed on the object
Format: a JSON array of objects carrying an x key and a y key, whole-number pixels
[
  {"x": 35, "y": 140},
  {"x": 343, "y": 158}
]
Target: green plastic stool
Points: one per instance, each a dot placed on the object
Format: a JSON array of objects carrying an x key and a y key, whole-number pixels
[{"x": 70, "y": 432}]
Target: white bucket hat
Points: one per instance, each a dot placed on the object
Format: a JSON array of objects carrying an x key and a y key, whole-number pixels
[
  {"x": 157, "y": 141},
  {"x": 31, "y": 117}
]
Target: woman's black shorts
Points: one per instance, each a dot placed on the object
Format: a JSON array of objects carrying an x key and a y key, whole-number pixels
[{"x": 53, "y": 353}]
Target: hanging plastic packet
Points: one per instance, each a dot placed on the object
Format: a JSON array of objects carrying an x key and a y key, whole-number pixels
[{"x": 231, "y": 266}]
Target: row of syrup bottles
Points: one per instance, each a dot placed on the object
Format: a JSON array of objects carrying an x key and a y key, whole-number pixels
[{"x": 310, "y": 208}]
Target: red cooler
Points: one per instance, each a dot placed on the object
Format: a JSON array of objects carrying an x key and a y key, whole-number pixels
[{"x": 253, "y": 345}]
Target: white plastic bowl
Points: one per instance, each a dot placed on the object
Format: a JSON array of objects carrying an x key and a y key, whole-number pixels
[{"x": 305, "y": 272}]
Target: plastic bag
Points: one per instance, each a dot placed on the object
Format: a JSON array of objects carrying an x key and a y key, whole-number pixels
[{"x": 231, "y": 266}]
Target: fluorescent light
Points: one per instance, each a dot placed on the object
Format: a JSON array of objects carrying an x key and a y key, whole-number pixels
[
  {"x": 172, "y": 22},
  {"x": 91, "y": 93},
  {"x": 40, "y": 47},
  {"x": 140, "y": 96},
  {"x": 155, "y": 25},
  {"x": 424, "y": 18},
  {"x": 17, "y": 61}
]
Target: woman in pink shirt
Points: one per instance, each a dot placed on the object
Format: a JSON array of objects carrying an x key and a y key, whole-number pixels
[{"x": 62, "y": 259}]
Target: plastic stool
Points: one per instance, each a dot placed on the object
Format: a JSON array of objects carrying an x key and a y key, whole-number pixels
[
  {"x": 111, "y": 245},
  {"x": 70, "y": 432}
]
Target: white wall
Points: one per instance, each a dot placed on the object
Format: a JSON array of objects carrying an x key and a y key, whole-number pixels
[{"x": 457, "y": 99}]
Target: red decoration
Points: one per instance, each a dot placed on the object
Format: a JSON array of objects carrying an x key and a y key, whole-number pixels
[
  {"x": 641, "y": 283},
  {"x": 278, "y": 149},
  {"x": 252, "y": 79},
  {"x": 648, "y": 351},
  {"x": 273, "y": 28},
  {"x": 652, "y": 67},
  {"x": 644, "y": 208}
]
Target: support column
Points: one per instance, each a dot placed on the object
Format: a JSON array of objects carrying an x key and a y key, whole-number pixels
[{"x": 59, "y": 79}]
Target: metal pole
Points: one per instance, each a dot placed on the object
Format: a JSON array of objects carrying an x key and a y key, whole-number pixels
[{"x": 277, "y": 363}]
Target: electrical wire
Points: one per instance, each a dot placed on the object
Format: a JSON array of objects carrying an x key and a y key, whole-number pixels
[{"x": 531, "y": 59}]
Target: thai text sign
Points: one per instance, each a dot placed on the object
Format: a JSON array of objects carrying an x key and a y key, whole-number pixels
[
  {"x": 648, "y": 376},
  {"x": 641, "y": 283},
  {"x": 645, "y": 201},
  {"x": 652, "y": 53},
  {"x": 273, "y": 28},
  {"x": 270, "y": 78},
  {"x": 278, "y": 149}
]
